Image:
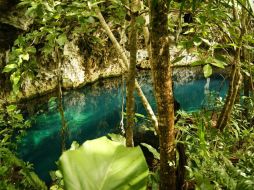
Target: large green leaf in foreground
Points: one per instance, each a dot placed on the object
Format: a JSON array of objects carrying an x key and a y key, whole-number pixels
[{"x": 102, "y": 164}]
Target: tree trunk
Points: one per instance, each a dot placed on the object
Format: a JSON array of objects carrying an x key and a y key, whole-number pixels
[
  {"x": 236, "y": 76},
  {"x": 162, "y": 78},
  {"x": 130, "y": 83},
  {"x": 234, "y": 86},
  {"x": 60, "y": 101}
]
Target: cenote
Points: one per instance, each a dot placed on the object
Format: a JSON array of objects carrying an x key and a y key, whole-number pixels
[{"x": 94, "y": 111}]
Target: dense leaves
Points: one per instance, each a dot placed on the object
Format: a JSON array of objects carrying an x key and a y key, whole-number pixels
[{"x": 14, "y": 173}]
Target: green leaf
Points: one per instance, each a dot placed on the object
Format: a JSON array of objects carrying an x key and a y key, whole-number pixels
[
  {"x": 197, "y": 41},
  {"x": 217, "y": 63},
  {"x": 140, "y": 115},
  {"x": 189, "y": 31},
  {"x": 196, "y": 63},
  {"x": 31, "y": 49},
  {"x": 155, "y": 153},
  {"x": 62, "y": 39},
  {"x": 207, "y": 70},
  {"x": 19, "y": 117},
  {"x": 185, "y": 44},
  {"x": 91, "y": 20},
  {"x": 25, "y": 56},
  {"x": 117, "y": 138},
  {"x": 221, "y": 58},
  {"x": 8, "y": 68},
  {"x": 15, "y": 78},
  {"x": 11, "y": 108},
  {"x": 140, "y": 20},
  {"x": 178, "y": 59},
  {"x": 102, "y": 164},
  {"x": 206, "y": 41}
]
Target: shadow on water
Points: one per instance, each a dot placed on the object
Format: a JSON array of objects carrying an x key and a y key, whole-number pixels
[{"x": 94, "y": 111}]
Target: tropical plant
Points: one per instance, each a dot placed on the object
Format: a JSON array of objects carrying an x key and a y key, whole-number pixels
[
  {"x": 218, "y": 160},
  {"x": 14, "y": 173},
  {"x": 104, "y": 164}
]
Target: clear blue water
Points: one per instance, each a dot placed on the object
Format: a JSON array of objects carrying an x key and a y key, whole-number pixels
[{"x": 94, "y": 111}]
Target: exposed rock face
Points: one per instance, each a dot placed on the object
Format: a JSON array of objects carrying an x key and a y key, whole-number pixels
[{"x": 77, "y": 70}]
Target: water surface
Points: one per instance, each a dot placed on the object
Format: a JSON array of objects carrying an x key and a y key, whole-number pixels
[{"x": 94, "y": 111}]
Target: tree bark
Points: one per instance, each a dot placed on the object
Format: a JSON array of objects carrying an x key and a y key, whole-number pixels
[
  {"x": 236, "y": 76},
  {"x": 130, "y": 83},
  {"x": 162, "y": 77}
]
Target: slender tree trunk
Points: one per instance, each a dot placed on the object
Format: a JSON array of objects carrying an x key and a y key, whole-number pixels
[
  {"x": 60, "y": 101},
  {"x": 236, "y": 76},
  {"x": 130, "y": 84},
  {"x": 234, "y": 86},
  {"x": 236, "y": 79},
  {"x": 125, "y": 64},
  {"x": 162, "y": 77}
]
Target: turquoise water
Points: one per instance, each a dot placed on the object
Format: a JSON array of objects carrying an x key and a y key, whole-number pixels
[{"x": 94, "y": 111}]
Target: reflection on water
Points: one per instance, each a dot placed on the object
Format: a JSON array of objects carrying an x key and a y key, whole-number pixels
[{"x": 94, "y": 111}]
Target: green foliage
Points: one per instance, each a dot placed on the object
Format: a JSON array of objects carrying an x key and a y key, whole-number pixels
[
  {"x": 104, "y": 164},
  {"x": 14, "y": 173},
  {"x": 219, "y": 160},
  {"x": 55, "y": 23},
  {"x": 12, "y": 126},
  {"x": 214, "y": 33},
  {"x": 155, "y": 153}
]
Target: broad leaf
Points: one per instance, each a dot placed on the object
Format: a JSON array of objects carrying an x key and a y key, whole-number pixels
[
  {"x": 9, "y": 68},
  {"x": 207, "y": 70},
  {"x": 102, "y": 164},
  {"x": 206, "y": 41},
  {"x": 218, "y": 63},
  {"x": 62, "y": 39},
  {"x": 155, "y": 153},
  {"x": 11, "y": 108},
  {"x": 196, "y": 63},
  {"x": 25, "y": 56}
]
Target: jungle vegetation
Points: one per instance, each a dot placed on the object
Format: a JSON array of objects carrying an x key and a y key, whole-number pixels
[{"x": 207, "y": 149}]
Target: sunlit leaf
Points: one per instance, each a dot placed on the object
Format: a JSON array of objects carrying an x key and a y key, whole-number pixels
[
  {"x": 117, "y": 138},
  {"x": 196, "y": 63},
  {"x": 155, "y": 153},
  {"x": 11, "y": 108},
  {"x": 206, "y": 41},
  {"x": 103, "y": 164},
  {"x": 217, "y": 63},
  {"x": 25, "y": 56},
  {"x": 189, "y": 31},
  {"x": 9, "y": 68},
  {"x": 207, "y": 70},
  {"x": 62, "y": 39}
]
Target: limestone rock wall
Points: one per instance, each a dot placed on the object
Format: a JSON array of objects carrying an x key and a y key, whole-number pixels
[
  {"x": 77, "y": 71},
  {"x": 78, "y": 68}
]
